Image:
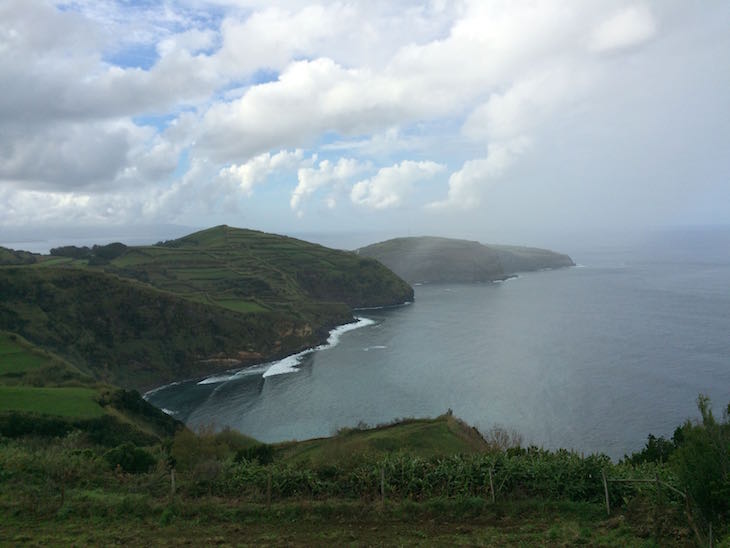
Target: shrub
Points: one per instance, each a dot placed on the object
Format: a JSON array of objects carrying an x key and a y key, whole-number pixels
[
  {"x": 656, "y": 450},
  {"x": 190, "y": 449},
  {"x": 130, "y": 458},
  {"x": 262, "y": 453},
  {"x": 702, "y": 462}
]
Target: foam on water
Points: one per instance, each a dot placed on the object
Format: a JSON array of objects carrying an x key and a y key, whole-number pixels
[
  {"x": 215, "y": 379},
  {"x": 147, "y": 394},
  {"x": 290, "y": 363},
  {"x": 376, "y": 347}
]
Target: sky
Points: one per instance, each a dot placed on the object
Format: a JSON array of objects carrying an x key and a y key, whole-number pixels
[{"x": 461, "y": 118}]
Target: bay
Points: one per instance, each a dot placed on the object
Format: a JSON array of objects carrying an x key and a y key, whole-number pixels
[{"x": 591, "y": 358}]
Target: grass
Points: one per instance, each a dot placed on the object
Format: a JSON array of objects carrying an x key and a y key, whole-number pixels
[
  {"x": 221, "y": 260},
  {"x": 23, "y": 363},
  {"x": 16, "y": 358},
  {"x": 64, "y": 402},
  {"x": 19, "y": 363},
  {"x": 93, "y": 520},
  {"x": 246, "y": 307},
  {"x": 426, "y": 438}
]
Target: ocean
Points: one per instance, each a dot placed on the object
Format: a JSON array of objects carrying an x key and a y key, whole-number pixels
[{"x": 591, "y": 358}]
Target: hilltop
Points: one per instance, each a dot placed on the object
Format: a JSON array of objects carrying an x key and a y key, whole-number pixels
[
  {"x": 217, "y": 299},
  {"x": 431, "y": 259}
]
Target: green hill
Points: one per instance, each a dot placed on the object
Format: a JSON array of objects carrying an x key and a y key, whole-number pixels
[
  {"x": 42, "y": 394},
  {"x": 430, "y": 259},
  {"x": 138, "y": 317},
  {"x": 439, "y": 437}
]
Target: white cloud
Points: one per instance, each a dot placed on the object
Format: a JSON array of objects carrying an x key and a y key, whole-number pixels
[
  {"x": 309, "y": 98},
  {"x": 115, "y": 109},
  {"x": 467, "y": 186},
  {"x": 311, "y": 179},
  {"x": 390, "y": 186},
  {"x": 629, "y": 27},
  {"x": 528, "y": 102},
  {"x": 258, "y": 168}
]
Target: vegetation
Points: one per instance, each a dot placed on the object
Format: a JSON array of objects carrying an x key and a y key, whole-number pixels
[
  {"x": 66, "y": 402},
  {"x": 230, "y": 487},
  {"x": 142, "y": 316},
  {"x": 428, "y": 259},
  {"x": 13, "y": 257},
  {"x": 44, "y": 395},
  {"x": 86, "y": 461}
]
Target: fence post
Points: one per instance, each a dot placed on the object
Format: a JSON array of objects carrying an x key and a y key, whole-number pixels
[
  {"x": 711, "y": 541},
  {"x": 172, "y": 482},
  {"x": 657, "y": 524},
  {"x": 491, "y": 484},
  {"x": 382, "y": 485},
  {"x": 605, "y": 490}
]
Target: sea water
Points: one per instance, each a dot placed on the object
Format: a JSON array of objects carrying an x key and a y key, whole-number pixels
[{"x": 591, "y": 358}]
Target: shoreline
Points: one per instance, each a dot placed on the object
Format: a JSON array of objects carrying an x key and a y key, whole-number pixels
[{"x": 291, "y": 361}]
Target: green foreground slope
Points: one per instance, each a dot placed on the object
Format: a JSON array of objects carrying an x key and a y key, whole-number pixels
[{"x": 392, "y": 489}]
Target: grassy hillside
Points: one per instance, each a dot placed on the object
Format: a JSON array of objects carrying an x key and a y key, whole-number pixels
[
  {"x": 251, "y": 271},
  {"x": 42, "y": 394},
  {"x": 217, "y": 299},
  {"x": 426, "y": 438},
  {"x": 428, "y": 259},
  {"x": 132, "y": 335}
]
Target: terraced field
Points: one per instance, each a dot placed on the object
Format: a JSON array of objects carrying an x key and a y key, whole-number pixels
[
  {"x": 249, "y": 271},
  {"x": 143, "y": 316}
]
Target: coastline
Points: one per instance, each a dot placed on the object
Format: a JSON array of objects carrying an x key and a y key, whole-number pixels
[{"x": 287, "y": 364}]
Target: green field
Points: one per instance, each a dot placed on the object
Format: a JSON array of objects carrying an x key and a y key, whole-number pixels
[
  {"x": 63, "y": 402},
  {"x": 424, "y": 437},
  {"x": 23, "y": 363},
  {"x": 16, "y": 363}
]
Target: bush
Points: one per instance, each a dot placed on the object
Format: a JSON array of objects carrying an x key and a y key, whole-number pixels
[
  {"x": 130, "y": 458},
  {"x": 702, "y": 463},
  {"x": 190, "y": 450},
  {"x": 656, "y": 450},
  {"x": 262, "y": 453}
]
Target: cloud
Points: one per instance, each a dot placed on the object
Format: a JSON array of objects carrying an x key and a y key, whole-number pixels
[
  {"x": 627, "y": 28},
  {"x": 311, "y": 179},
  {"x": 309, "y": 98},
  {"x": 114, "y": 110},
  {"x": 390, "y": 186},
  {"x": 72, "y": 155},
  {"x": 467, "y": 186},
  {"x": 258, "y": 168},
  {"x": 528, "y": 102},
  {"x": 52, "y": 69}
]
